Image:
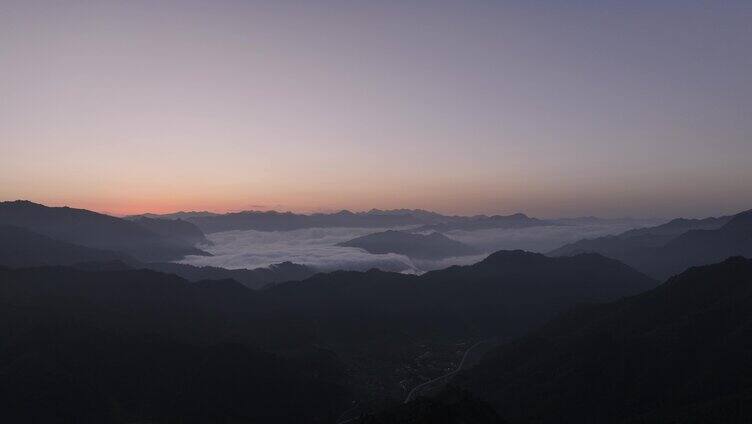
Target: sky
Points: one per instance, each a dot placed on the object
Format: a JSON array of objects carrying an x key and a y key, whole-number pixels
[{"x": 609, "y": 108}]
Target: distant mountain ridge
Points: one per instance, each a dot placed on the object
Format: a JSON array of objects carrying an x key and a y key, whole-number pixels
[
  {"x": 417, "y": 246},
  {"x": 422, "y": 220},
  {"x": 482, "y": 222},
  {"x": 174, "y": 228},
  {"x": 95, "y": 230},
  {"x": 375, "y": 218},
  {"x": 21, "y": 248},
  {"x": 670, "y": 248},
  {"x": 173, "y": 215},
  {"x": 641, "y": 237},
  {"x": 702, "y": 246},
  {"x": 287, "y": 221}
]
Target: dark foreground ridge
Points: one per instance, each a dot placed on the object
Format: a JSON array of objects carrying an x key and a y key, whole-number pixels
[
  {"x": 451, "y": 406},
  {"x": 141, "y": 346},
  {"x": 114, "y": 345},
  {"x": 678, "y": 353}
]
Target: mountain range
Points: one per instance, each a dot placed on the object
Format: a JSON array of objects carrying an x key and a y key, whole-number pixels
[
  {"x": 288, "y": 221},
  {"x": 174, "y": 229},
  {"x": 97, "y": 327},
  {"x": 153, "y": 242},
  {"x": 342, "y": 323},
  {"x": 670, "y": 248},
  {"x": 256, "y": 278},
  {"x": 87, "y": 240},
  {"x": 421, "y": 220},
  {"x": 482, "y": 222}
]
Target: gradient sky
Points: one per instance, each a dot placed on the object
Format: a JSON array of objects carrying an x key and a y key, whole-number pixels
[{"x": 552, "y": 108}]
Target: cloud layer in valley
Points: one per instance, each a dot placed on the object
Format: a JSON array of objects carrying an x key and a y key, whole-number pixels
[{"x": 317, "y": 247}]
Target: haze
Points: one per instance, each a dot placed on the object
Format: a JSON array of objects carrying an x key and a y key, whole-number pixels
[{"x": 551, "y": 108}]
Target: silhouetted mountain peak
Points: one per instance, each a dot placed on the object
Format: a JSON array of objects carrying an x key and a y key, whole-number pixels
[
  {"x": 517, "y": 215},
  {"x": 250, "y": 278},
  {"x": 523, "y": 261},
  {"x": 671, "y": 354},
  {"x": 94, "y": 230},
  {"x": 740, "y": 222},
  {"x": 173, "y": 229},
  {"x": 514, "y": 256},
  {"x": 224, "y": 286},
  {"x": 431, "y": 246},
  {"x": 111, "y": 265},
  {"x": 484, "y": 222},
  {"x": 694, "y": 275},
  {"x": 287, "y": 265},
  {"x": 737, "y": 260},
  {"x": 667, "y": 249},
  {"x": 21, "y": 202}
]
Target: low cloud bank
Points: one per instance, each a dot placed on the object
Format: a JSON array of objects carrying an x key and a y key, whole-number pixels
[
  {"x": 540, "y": 239},
  {"x": 317, "y": 247}
]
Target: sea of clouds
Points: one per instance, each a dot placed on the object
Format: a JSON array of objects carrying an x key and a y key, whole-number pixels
[{"x": 318, "y": 248}]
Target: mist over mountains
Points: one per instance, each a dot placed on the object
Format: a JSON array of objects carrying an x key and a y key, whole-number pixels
[
  {"x": 99, "y": 231},
  {"x": 319, "y": 247},
  {"x": 375, "y": 212},
  {"x": 672, "y": 247},
  {"x": 318, "y": 243},
  {"x": 355, "y": 319},
  {"x": 323, "y": 246}
]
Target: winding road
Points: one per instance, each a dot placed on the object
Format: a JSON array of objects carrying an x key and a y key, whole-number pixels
[
  {"x": 344, "y": 417},
  {"x": 351, "y": 414},
  {"x": 421, "y": 386}
]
